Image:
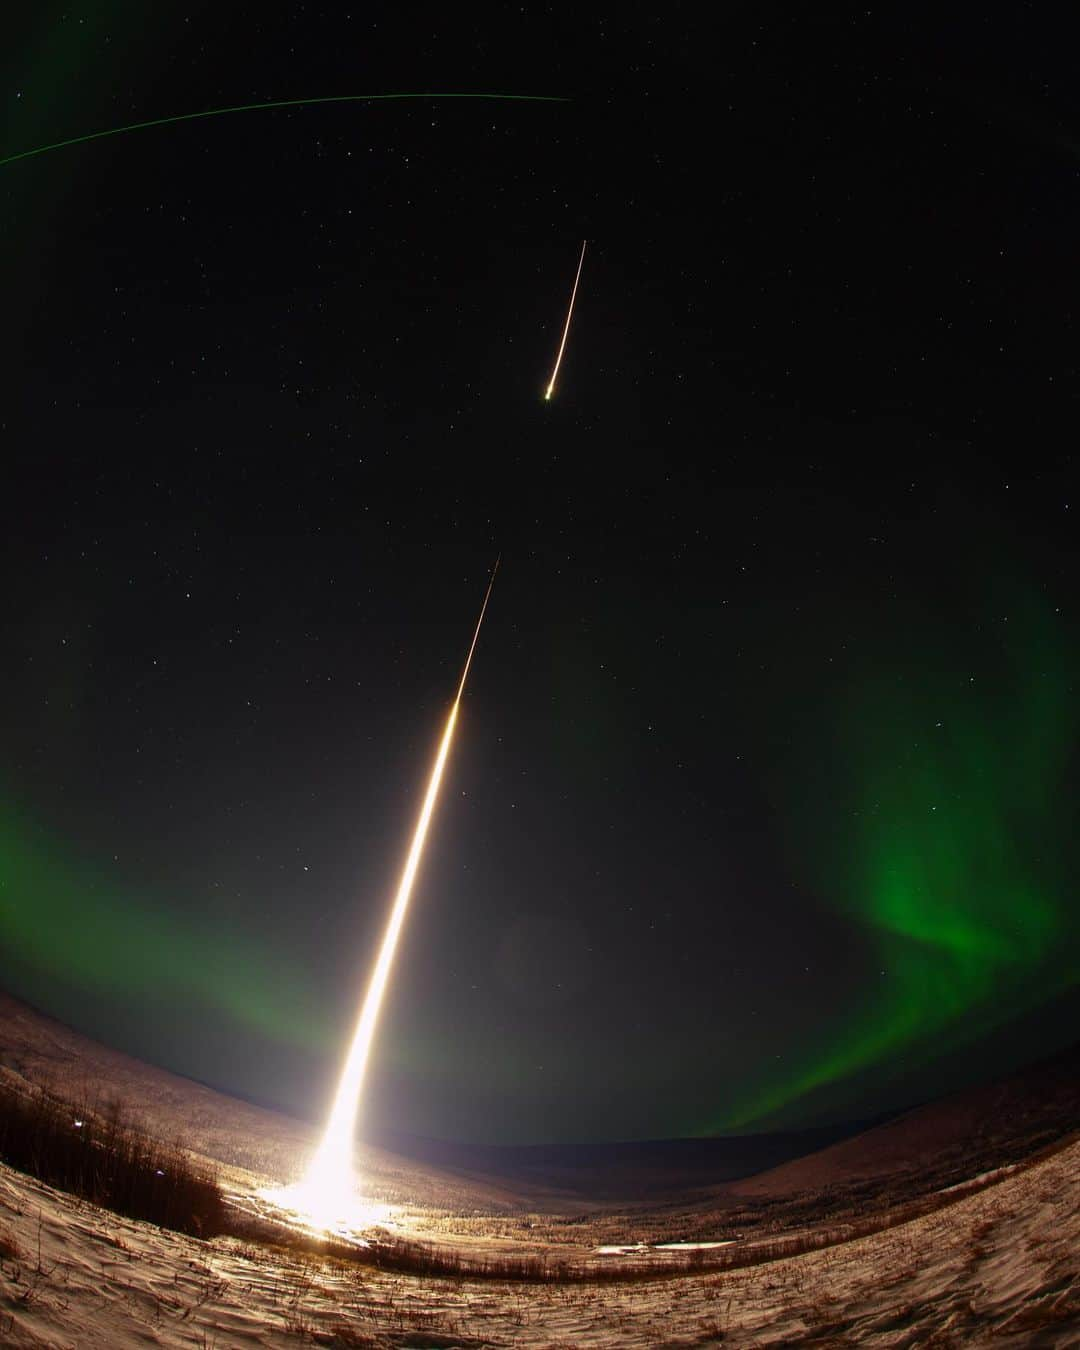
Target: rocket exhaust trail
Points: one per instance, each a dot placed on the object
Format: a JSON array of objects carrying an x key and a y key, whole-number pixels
[
  {"x": 328, "y": 1185},
  {"x": 566, "y": 327}
]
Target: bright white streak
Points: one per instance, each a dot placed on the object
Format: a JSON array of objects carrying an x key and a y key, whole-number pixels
[
  {"x": 327, "y": 1192},
  {"x": 566, "y": 327}
]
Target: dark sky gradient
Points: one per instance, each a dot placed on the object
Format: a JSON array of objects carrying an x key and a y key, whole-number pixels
[{"x": 763, "y": 801}]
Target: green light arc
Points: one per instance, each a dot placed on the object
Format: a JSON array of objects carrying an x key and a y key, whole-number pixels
[
  {"x": 71, "y": 922},
  {"x": 935, "y": 830},
  {"x": 263, "y": 107}
]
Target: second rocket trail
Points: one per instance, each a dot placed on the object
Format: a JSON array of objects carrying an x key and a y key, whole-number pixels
[
  {"x": 476, "y": 633},
  {"x": 566, "y": 328},
  {"x": 331, "y": 1169}
]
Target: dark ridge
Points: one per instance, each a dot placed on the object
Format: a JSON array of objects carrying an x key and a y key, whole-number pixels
[{"x": 638, "y": 1168}]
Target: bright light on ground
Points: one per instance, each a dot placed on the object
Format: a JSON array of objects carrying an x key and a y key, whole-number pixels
[{"x": 339, "y": 1211}]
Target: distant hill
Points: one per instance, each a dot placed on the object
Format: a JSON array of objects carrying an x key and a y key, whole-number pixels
[
  {"x": 979, "y": 1127},
  {"x": 643, "y": 1170},
  {"x": 39, "y": 1049},
  {"x": 982, "y": 1126}
]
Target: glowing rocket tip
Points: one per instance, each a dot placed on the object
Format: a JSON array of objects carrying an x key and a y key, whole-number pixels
[{"x": 566, "y": 326}]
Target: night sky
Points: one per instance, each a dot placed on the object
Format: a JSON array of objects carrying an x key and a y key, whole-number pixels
[{"x": 762, "y": 809}]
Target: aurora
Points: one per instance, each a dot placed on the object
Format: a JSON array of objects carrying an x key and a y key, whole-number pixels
[
  {"x": 63, "y": 918},
  {"x": 926, "y": 832}
]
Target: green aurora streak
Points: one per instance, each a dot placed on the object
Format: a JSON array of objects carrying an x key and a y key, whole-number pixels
[
  {"x": 945, "y": 851},
  {"x": 262, "y": 107},
  {"x": 58, "y": 917}
]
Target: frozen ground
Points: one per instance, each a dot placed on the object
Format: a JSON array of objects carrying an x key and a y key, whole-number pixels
[
  {"x": 940, "y": 1233},
  {"x": 1000, "y": 1267}
]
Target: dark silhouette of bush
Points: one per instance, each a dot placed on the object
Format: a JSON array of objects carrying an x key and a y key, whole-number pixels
[{"x": 94, "y": 1152}]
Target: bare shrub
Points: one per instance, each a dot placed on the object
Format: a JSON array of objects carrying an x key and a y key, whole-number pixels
[{"x": 98, "y": 1154}]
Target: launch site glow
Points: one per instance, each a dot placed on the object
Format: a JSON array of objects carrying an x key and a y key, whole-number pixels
[{"x": 327, "y": 1193}]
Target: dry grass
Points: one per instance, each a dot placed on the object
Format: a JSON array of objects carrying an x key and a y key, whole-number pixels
[{"x": 94, "y": 1152}]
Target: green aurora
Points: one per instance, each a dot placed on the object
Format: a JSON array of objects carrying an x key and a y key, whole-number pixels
[
  {"x": 927, "y": 807},
  {"x": 66, "y": 921},
  {"x": 933, "y": 819}
]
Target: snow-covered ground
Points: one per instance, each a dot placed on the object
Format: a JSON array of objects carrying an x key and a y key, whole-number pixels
[
  {"x": 999, "y": 1267},
  {"x": 991, "y": 1260}
]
